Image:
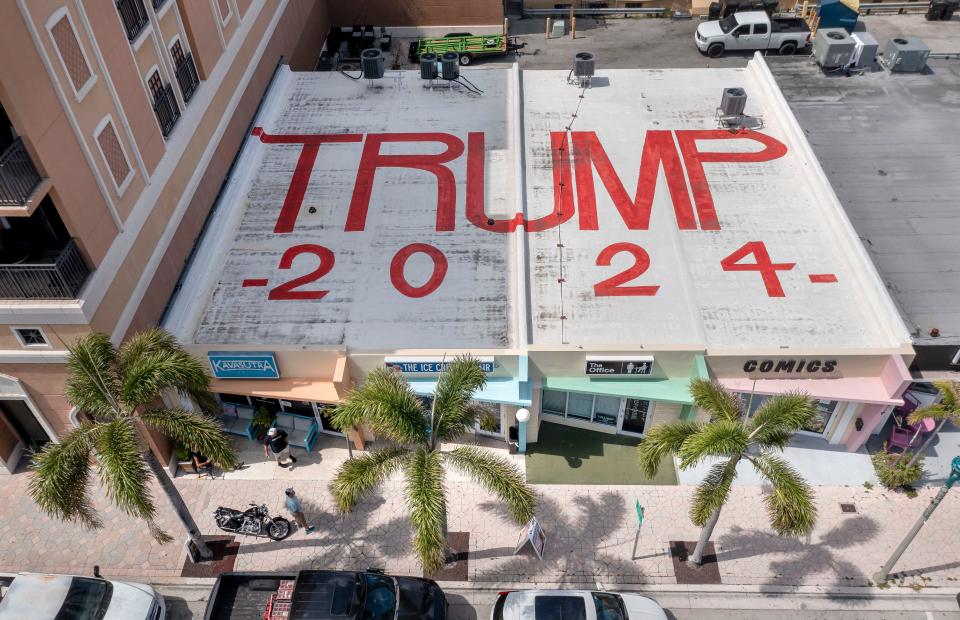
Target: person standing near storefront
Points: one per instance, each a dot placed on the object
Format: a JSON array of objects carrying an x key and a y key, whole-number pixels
[{"x": 276, "y": 439}]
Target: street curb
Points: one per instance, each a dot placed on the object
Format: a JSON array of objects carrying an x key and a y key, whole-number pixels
[{"x": 892, "y": 592}]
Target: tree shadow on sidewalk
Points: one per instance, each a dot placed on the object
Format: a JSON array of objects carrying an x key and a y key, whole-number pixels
[
  {"x": 573, "y": 552},
  {"x": 804, "y": 559},
  {"x": 341, "y": 537}
]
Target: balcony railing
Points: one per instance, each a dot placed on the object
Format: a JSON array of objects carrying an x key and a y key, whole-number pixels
[
  {"x": 187, "y": 77},
  {"x": 165, "y": 107},
  {"x": 134, "y": 17},
  {"x": 18, "y": 176},
  {"x": 61, "y": 279}
]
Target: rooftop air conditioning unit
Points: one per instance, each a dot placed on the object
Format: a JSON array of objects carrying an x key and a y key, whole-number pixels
[
  {"x": 833, "y": 47},
  {"x": 584, "y": 65},
  {"x": 733, "y": 102},
  {"x": 371, "y": 63},
  {"x": 450, "y": 66},
  {"x": 865, "y": 53},
  {"x": 428, "y": 66},
  {"x": 905, "y": 55}
]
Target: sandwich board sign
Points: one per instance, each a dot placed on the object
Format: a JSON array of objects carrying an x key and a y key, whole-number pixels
[{"x": 533, "y": 535}]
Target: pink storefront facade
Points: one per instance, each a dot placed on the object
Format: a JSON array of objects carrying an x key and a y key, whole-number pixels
[{"x": 855, "y": 391}]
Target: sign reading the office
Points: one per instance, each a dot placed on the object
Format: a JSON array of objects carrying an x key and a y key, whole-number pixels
[
  {"x": 619, "y": 366},
  {"x": 791, "y": 367},
  {"x": 532, "y": 534},
  {"x": 431, "y": 366},
  {"x": 244, "y": 365}
]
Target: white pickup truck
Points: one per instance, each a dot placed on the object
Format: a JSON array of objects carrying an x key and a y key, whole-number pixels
[
  {"x": 752, "y": 30},
  {"x": 33, "y": 596}
]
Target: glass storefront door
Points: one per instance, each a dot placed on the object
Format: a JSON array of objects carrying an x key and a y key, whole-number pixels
[
  {"x": 324, "y": 411},
  {"x": 635, "y": 413}
]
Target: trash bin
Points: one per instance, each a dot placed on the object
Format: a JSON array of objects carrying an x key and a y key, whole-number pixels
[{"x": 713, "y": 13}]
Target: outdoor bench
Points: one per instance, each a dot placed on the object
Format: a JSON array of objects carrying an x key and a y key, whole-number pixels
[{"x": 302, "y": 431}]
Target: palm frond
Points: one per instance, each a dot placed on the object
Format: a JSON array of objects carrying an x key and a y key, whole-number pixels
[
  {"x": 715, "y": 399},
  {"x": 193, "y": 430},
  {"x": 427, "y": 503},
  {"x": 723, "y": 438},
  {"x": 358, "y": 476},
  {"x": 784, "y": 413},
  {"x": 712, "y": 492},
  {"x": 937, "y": 412},
  {"x": 660, "y": 441},
  {"x": 498, "y": 476},
  {"x": 61, "y": 480},
  {"x": 949, "y": 395},
  {"x": 122, "y": 470},
  {"x": 455, "y": 387},
  {"x": 388, "y": 404},
  {"x": 790, "y": 504},
  {"x": 147, "y": 377},
  {"x": 92, "y": 385}
]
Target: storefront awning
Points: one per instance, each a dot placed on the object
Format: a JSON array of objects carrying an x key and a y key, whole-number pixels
[
  {"x": 506, "y": 391},
  {"x": 855, "y": 389},
  {"x": 665, "y": 390},
  {"x": 287, "y": 389}
]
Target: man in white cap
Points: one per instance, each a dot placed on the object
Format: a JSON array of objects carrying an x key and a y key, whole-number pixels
[{"x": 277, "y": 440}]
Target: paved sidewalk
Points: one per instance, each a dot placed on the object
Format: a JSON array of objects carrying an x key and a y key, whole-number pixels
[{"x": 590, "y": 535}]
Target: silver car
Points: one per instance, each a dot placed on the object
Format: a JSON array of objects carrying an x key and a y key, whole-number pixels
[{"x": 575, "y": 605}]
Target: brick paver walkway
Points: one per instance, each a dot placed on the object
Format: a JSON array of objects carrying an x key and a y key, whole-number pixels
[{"x": 591, "y": 534}]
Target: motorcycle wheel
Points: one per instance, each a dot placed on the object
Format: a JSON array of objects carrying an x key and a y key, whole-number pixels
[{"x": 278, "y": 529}]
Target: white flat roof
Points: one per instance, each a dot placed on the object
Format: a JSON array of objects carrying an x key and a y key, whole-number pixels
[{"x": 497, "y": 284}]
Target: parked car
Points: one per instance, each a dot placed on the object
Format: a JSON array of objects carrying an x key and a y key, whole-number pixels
[
  {"x": 34, "y": 596},
  {"x": 575, "y": 605},
  {"x": 752, "y": 30},
  {"x": 319, "y": 594}
]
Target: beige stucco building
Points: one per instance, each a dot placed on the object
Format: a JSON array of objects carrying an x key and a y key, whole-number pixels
[{"x": 119, "y": 123}]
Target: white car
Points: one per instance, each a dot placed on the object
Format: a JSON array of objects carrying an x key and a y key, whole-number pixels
[
  {"x": 36, "y": 596},
  {"x": 575, "y": 605}
]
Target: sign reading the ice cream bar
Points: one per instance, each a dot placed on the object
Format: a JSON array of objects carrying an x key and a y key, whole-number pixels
[
  {"x": 244, "y": 365},
  {"x": 616, "y": 366},
  {"x": 430, "y": 366}
]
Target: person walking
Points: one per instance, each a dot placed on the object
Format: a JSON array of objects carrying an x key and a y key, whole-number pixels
[
  {"x": 293, "y": 505},
  {"x": 277, "y": 440}
]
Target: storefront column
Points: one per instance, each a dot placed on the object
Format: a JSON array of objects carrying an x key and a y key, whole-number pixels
[{"x": 523, "y": 416}]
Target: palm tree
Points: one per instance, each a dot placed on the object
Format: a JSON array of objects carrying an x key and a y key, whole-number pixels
[
  {"x": 733, "y": 436},
  {"x": 389, "y": 406},
  {"x": 118, "y": 389},
  {"x": 947, "y": 410}
]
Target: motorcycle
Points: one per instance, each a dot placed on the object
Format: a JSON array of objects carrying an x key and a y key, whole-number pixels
[{"x": 254, "y": 521}]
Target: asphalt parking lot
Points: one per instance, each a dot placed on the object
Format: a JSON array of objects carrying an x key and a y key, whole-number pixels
[{"x": 660, "y": 43}]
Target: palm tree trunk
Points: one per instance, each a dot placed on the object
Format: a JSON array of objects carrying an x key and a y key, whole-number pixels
[
  {"x": 449, "y": 555},
  {"x": 926, "y": 444},
  {"x": 697, "y": 558},
  {"x": 179, "y": 506}
]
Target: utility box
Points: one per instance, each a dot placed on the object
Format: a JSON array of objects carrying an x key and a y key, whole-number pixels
[
  {"x": 371, "y": 63},
  {"x": 733, "y": 102},
  {"x": 905, "y": 55},
  {"x": 450, "y": 66},
  {"x": 558, "y": 28},
  {"x": 833, "y": 47},
  {"x": 428, "y": 66},
  {"x": 865, "y": 52}
]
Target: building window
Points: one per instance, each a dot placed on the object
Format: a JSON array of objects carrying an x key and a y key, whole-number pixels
[
  {"x": 70, "y": 52},
  {"x": 586, "y": 407},
  {"x": 157, "y": 4},
  {"x": 817, "y": 425},
  {"x": 185, "y": 70},
  {"x": 133, "y": 15},
  {"x": 31, "y": 337},
  {"x": 113, "y": 154},
  {"x": 956, "y": 358},
  {"x": 164, "y": 103},
  {"x": 488, "y": 419}
]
